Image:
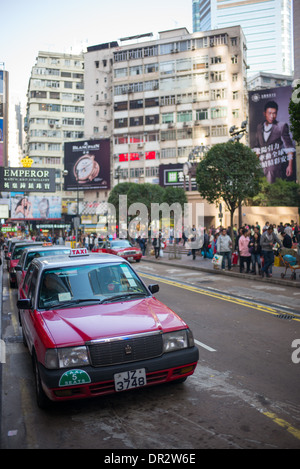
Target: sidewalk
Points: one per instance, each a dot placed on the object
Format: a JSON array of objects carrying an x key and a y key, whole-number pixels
[{"x": 205, "y": 265}]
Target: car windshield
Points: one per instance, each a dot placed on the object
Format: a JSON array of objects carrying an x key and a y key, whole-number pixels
[
  {"x": 49, "y": 252},
  {"x": 121, "y": 244},
  {"x": 89, "y": 283},
  {"x": 18, "y": 251}
]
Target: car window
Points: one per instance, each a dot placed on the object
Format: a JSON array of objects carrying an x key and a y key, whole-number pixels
[
  {"x": 35, "y": 254},
  {"x": 33, "y": 283},
  {"x": 22, "y": 259},
  {"x": 27, "y": 280},
  {"x": 90, "y": 282}
]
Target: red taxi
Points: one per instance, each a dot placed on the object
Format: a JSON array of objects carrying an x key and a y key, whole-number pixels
[
  {"x": 32, "y": 252},
  {"x": 122, "y": 248},
  {"x": 9, "y": 247},
  {"x": 93, "y": 328},
  {"x": 14, "y": 258}
]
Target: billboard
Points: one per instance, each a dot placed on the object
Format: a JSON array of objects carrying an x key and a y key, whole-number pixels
[
  {"x": 88, "y": 165},
  {"x": 27, "y": 179},
  {"x": 172, "y": 175},
  {"x": 269, "y": 132},
  {"x": 35, "y": 208}
]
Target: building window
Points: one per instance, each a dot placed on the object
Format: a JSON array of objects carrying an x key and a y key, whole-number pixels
[
  {"x": 68, "y": 84},
  {"x": 167, "y": 118},
  {"x": 184, "y": 116},
  {"x": 201, "y": 114},
  {"x": 218, "y": 112},
  {"x": 235, "y": 95}
]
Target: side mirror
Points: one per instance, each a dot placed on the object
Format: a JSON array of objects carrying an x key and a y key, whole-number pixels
[
  {"x": 154, "y": 288},
  {"x": 24, "y": 303}
]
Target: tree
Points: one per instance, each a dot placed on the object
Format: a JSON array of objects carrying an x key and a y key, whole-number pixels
[
  {"x": 294, "y": 111},
  {"x": 146, "y": 194},
  {"x": 231, "y": 172},
  {"x": 280, "y": 193}
]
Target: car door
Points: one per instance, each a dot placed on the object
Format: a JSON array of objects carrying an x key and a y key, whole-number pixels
[{"x": 27, "y": 316}]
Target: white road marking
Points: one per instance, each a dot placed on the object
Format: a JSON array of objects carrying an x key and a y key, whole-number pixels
[{"x": 204, "y": 346}]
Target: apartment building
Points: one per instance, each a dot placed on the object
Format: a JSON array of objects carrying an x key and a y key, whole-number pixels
[
  {"x": 267, "y": 25},
  {"x": 55, "y": 110},
  {"x": 159, "y": 99}
]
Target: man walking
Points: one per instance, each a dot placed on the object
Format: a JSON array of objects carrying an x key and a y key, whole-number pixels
[
  {"x": 267, "y": 241},
  {"x": 224, "y": 245}
]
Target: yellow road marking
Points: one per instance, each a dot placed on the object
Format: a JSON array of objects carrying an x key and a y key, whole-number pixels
[
  {"x": 220, "y": 296},
  {"x": 282, "y": 423}
]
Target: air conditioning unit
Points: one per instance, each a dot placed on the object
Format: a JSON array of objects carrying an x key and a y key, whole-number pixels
[{"x": 140, "y": 145}]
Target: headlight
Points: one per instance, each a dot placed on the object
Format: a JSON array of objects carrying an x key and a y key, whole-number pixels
[
  {"x": 177, "y": 340},
  {"x": 66, "y": 357}
]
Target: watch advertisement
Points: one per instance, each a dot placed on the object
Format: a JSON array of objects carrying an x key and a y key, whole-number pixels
[{"x": 88, "y": 165}]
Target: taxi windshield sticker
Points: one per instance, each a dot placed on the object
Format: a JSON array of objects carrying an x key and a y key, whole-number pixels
[{"x": 74, "y": 378}]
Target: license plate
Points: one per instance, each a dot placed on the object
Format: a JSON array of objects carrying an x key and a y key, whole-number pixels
[
  {"x": 130, "y": 258},
  {"x": 130, "y": 379}
]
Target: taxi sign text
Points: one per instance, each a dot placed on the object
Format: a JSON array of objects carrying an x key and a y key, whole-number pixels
[{"x": 79, "y": 252}]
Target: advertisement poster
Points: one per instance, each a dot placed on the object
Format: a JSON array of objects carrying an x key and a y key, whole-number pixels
[
  {"x": 36, "y": 208},
  {"x": 269, "y": 132},
  {"x": 88, "y": 165},
  {"x": 173, "y": 175}
]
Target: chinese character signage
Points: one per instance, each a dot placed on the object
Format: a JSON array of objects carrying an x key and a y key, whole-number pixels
[
  {"x": 27, "y": 179},
  {"x": 88, "y": 165},
  {"x": 172, "y": 175},
  {"x": 269, "y": 131}
]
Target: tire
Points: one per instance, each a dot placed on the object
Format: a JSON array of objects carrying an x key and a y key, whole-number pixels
[{"x": 42, "y": 400}]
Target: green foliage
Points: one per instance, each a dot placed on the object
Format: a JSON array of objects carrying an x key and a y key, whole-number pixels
[
  {"x": 146, "y": 194},
  {"x": 281, "y": 193},
  {"x": 294, "y": 111},
  {"x": 230, "y": 171}
]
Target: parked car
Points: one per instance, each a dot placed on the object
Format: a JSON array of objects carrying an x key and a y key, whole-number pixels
[
  {"x": 94, "y": 328},
  {"x": 35, "y": 251},
  {"x": 122, "y": 248},
  {"x": 14, "y": 258}
]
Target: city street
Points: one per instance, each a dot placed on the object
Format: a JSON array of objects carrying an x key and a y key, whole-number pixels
[{"x": 244, "y": 393}]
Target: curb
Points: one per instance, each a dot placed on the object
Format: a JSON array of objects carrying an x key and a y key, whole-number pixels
[{"x": 256, "y": 278}]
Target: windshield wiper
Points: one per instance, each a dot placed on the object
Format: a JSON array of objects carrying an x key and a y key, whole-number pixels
[
  {"x": 74, "y": 302},
  {"x": 123, "y": 296}
]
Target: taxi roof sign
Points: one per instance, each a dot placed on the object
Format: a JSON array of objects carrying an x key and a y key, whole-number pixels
[{"x": 79, "y": 252}]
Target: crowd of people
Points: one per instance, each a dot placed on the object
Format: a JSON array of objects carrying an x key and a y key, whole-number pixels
[{"x": 250, "y": 247}]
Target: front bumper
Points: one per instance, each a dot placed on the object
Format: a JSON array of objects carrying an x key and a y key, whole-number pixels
[{"x": 168, "y": 367}]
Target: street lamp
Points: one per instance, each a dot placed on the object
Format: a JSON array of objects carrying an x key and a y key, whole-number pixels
[
  {"x": 237, "y": 134},
  {"x": 189, "y": 167}
]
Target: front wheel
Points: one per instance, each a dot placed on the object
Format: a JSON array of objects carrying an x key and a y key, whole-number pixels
[{"x": 42, "y": 400}]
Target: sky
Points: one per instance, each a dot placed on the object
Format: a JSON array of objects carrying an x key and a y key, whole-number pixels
[{"x": 30, "y": 26}]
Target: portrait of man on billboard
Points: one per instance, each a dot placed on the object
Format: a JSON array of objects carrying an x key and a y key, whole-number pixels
[{"x": 271, "y": 139}]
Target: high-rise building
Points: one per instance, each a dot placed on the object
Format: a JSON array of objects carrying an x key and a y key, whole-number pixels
[
  {"x": 55, "y": 109},
  {"x": 161, "y": 98},
  {"x": 267, "y": 25},
  {"x": 4, "y": 110}
]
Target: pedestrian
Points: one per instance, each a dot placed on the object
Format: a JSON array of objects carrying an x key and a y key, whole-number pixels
[
  {"x": 255, "y": 250},
  {"x": 267, "y": 241},
  {"x": 205, "y": 247},
  {"x": 224, "y": 246},
  {"x": 245, "y": 255},
  {"x": 156, "y": 243},
  {"x": 287, "y": 241}
]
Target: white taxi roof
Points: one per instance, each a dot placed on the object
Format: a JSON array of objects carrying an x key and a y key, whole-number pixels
[{"x": 52, "y": 262}]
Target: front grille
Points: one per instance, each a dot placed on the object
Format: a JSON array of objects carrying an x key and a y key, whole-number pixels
[
  {"x": 126, "y": 350},
  {"x": 129, "y": 253}
]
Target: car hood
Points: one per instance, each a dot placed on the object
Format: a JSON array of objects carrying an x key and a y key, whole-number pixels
[{"x": 75, "y": 326}]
